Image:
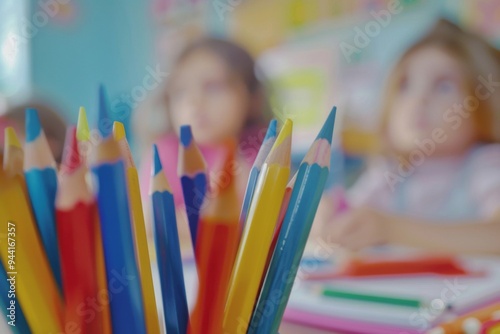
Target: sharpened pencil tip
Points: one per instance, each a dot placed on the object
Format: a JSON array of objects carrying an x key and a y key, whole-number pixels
[
  {"x": 186, "y": 135},
  {"x": 118, "y": 130},
  {"x": 33, "y": 126},
  {"x": 286, "y": 131},
  {"x": 71, "y": 156},
  {"x": 82, "y": 127},
  {"x": 327, "y": 129},
  {"x": 157, "y": 167},
  {"x": 11, "y": 139},
  {"x": 271, "y": 130},
  {"x": 104, "y": 122}
]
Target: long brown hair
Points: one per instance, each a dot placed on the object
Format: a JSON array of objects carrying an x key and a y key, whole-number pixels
[{"x": 477, "y": 57}]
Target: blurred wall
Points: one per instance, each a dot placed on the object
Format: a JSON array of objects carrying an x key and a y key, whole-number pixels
[
  {"x": 72, "y": 45},
  {"x": 87, "y": 42},
  {"x": 14, "y": 46}
]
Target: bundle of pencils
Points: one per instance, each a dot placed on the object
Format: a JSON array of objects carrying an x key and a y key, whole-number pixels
[
  {"x": 77, "y": 233},
  {"x": 304, "y": 200},
  {"x": 254, "y": 248}
]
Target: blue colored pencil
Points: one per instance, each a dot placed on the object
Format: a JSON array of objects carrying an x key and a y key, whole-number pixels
[
  {"x": 126, "y": 303},
  {"x": 192, "y": 172},
  {"x": 41, "y": 181},
  {"x": 175, "y": 308},
  {"x": 306, "y": 194},
  {"x": 264, "y": 150},
  {"x": 17, "y": 318}
]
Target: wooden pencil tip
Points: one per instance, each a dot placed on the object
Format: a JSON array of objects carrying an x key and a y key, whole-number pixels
[
  {"x": 186, "y": 135},
  {"x": 71, "y": 155},
  {"x": 291, "y": 183},
  {"x": 33, "y": 126},
  {"x": 118, "y": 131},
  {"x": 82, "y": 127},
  {"x": 157, "y": 167},
  {"x": 285, "y": 132},
  {"x": 271, "y": 130},
  {"x": 280, "y": 152},
  {"x": 11, "y": 139},
  {"x": 13, "y": 157},
  {"x": 104, "y": 122},
  {"x": 326, "y": 131}
]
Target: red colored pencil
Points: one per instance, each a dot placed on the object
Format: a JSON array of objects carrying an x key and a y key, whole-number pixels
[
  {"x": 76, "y": 214},
  {"x": 216, "y": 248},
  {"x": 281, "y": 217}
]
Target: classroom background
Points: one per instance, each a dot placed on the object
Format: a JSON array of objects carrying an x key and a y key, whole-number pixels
[
  {"x": 123, "y": 43},
  {"x": 312, "y": 55}
]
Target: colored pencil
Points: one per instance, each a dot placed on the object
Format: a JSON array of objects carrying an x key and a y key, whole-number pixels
[
  {"x": 124, "y": 283},
  {"x": 341, "y": 199},
  {"x": 218, "y": 239},
  {"x": 13, "y": 158},
  {"x": 41, "y": 180},
  {"x": 83, "y": 134},
  {"x": 335, "y": 293},
  {"x": 264, "y": 150},
  {"x": 366, "y": 267},
  {"x": 306, "y": 194},
  {"x": 257, "y": 236},
  {"x": 281, "y": 216},
  {"x": 13, "y": 314},
  {"x": 75, "y": 215},
  {"x": 12, "y": 165},
  {"x": 139, "y": 228},
  {"x": 279, "y": 224},
  {"x": 192, "y": 172},
  {"x": 36, "y": 287},
  {"x": 82, "y": 126},
  {"x": 173, "y": 291}
]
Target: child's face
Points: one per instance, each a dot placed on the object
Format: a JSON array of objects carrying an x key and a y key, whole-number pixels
[
  {"x": 206, "y": 96},
  {"x": 431, "y": 84}
]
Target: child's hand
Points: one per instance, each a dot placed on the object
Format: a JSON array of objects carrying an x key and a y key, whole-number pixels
[
  {"x": 359, "y": 228},
  {"x": 324, "y": 217}
]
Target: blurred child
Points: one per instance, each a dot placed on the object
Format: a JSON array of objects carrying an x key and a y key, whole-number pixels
[
  {"x": 53, "y": 125},
  {"x": 214, "y": 88},
  {"x": 437, "y": 184}
]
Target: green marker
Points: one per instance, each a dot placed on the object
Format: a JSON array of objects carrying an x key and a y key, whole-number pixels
[{"x": 370, "y": 298}]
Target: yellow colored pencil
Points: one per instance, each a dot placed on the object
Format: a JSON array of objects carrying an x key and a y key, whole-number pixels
[
  {"x": 262, "y": 216},
  {"x": 82, "y": 127},
  {"x": 139, "y": 228},
  {"x": 13, "y": 159},
  {"x": 36, "y": 287},
  {"x": 83, "y": 134}
]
